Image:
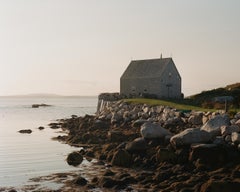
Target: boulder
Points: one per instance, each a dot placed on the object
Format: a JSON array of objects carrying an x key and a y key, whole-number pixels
[
  {"x": 238, "y": 122},
  {"x": 138, "y": 145},
  {"x": 219, "y": 140},
  {"x": 116, "y": 118},
  {"x": 40, "y": 105},
  {"x": 121, "y": 158},
  {"x": 153, "y": 131},
  {"x": 108, "y": 182},
  {"x": 213, "y": 125},
  {"x": 210, "y": 155},
  {"x": 190, "y": 136},
  {"x": 74, "y": 158},
  {"x": 116, "y": 136},
  {"x": 196, "y": 118},
  {"x": 228, "y": 130},
  {"x": 228, "y": 138},
  {"x": 173, "y": 121},
  {"x": 27, "y": 131},
  {"x": 235, "y": 138},
  {"x": 139, "y": 122},
  {"x": 237, "y": 116},
  {"x": 80, "y": 181},
  {"x": 41, "y": 128},
  {"x": 165, "y": 155}
]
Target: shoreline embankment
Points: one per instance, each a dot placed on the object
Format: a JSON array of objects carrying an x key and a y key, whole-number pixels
[{"x": 161, "y": 148}]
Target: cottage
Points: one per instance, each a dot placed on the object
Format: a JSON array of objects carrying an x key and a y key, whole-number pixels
[{"x": 153, "y": 77}]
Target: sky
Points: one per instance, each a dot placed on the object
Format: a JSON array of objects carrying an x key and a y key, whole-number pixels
[{"x": 82, "y": 47}]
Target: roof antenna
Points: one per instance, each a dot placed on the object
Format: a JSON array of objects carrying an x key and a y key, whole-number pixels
[{"x": 161, "y": 56}]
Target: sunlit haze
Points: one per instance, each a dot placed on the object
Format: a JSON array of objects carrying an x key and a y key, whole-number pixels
[{"x": 77, "y": 47}]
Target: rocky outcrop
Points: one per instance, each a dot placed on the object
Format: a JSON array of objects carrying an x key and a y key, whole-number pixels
[
  {"x": 172, "y": 150},
  {"x": 40, "y": 105},
  {"x": 26, "y": 131}
]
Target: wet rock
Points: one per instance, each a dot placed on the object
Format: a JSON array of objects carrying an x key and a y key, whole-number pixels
[
  {"x": 80, "y": 181},
  {"x": 213, "y": 125},
  {"x": 164, "y": 154},
  {"x": 12, "y": 190},
  {"x": 152, "y": 131},
  {"x": 138, "y": 145},
  {"x": 121, "y": 158},
  {"x": 74, "y": 158},
  {"x": 25, "y": 131},
  {"x": 40, "y": 105},
  {"x": 116, "y": 136},
  {"x": 210, "y": 155},
  {"x": 54, "y": 125},
  {"x": 41, "y": 128},
  {"x": 98, "y": 124},
  {"x": 108, "y": 182},
  {"x": 220, "y": 186},
  {"x": 108, "y": 173},
  {"x": 190, "y": 136}
]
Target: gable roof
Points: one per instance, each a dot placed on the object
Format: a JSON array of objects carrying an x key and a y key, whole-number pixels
[{"x": 146, "y": 68}]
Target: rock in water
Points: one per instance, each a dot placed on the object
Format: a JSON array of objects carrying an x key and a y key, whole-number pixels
[
  {"x": 40, "y": 105},
  {"x": 27, "y": 131},
  {"x": 41, "y": 128},
  {"x": 153, "y": 131},
  {"x": 80, "y": 181},
  {"x": 74, "y": 158}
]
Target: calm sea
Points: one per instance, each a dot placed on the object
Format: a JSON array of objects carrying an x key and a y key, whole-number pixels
[{"x": 23, "y": 156}]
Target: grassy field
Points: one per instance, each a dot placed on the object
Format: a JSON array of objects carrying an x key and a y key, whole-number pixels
[{"x": 172, "y": 104}]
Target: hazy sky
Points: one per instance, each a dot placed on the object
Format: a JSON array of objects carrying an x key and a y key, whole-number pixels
[{"x": 77, "y": 47}]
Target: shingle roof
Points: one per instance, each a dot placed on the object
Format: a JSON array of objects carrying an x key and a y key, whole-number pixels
[{"x": 146, "y": 68}]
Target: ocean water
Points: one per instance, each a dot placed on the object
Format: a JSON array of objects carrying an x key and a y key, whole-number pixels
[{"x": 24, "y": 156}]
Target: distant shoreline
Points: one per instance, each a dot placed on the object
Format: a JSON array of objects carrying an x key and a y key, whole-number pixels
[{"x": 53, "y": 96}]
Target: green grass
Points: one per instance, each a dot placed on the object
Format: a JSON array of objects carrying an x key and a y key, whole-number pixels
[{"x": 172, "y": 104}]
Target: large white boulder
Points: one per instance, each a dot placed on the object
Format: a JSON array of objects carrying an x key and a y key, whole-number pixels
[
  {"x": 153, "y": 130},
  {"x": 213, "y": 125},
  {"x": 190, "y": 136}
]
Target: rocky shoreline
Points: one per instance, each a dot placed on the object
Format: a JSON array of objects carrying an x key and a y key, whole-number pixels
[{"x": 161, "y": 148}]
